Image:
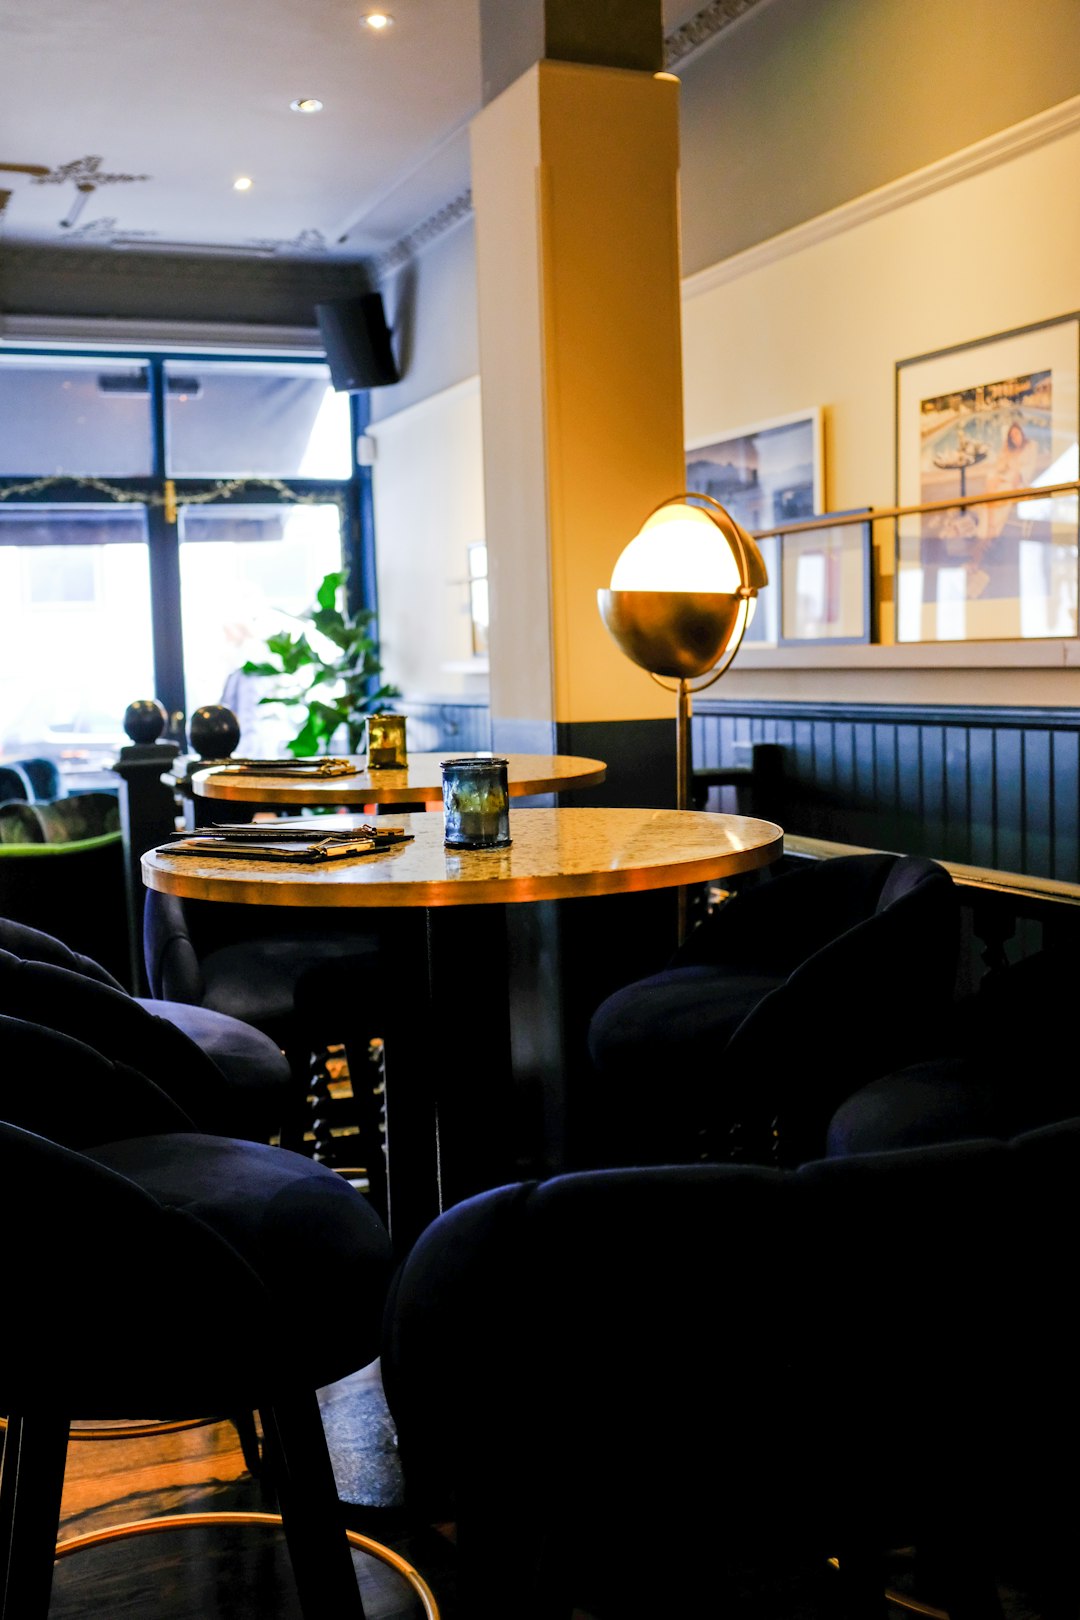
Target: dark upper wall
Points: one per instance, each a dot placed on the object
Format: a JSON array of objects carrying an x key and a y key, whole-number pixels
[
  {"x": 97, "y": 283},
  {"x": 618, "y": 33},
  {"x": 431, "y": 308},
  {"x": 805, "y": 104}
]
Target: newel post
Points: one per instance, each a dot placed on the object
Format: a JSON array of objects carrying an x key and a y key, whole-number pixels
[{"x": 148, "y": 811}]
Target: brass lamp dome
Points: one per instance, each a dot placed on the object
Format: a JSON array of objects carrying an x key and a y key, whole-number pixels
[{"x": 681, "y": 595}]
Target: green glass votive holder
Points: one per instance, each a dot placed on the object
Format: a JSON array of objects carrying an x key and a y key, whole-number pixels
[
  {"x": 476, "y": 803},
  {"x": 386, "y": 742}
]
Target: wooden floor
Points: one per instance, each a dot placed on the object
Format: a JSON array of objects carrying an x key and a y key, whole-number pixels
[
  {"x": 227, "y": 1573},
  {"x": 232, "y": 1573}
]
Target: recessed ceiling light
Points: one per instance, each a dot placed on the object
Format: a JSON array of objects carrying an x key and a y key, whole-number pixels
[
  {"x": 378, "y": 20},
  {"x": 308, "y": 104},
  {"x": 244, "y": 183}
]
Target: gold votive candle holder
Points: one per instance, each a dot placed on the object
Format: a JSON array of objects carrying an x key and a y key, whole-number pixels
[{"x": 386, "y": 742}]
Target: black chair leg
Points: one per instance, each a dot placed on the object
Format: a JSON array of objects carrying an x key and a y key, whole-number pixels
[
  {"x": 31, "y": 1484},
  {"x": 311, "y": 1512},
  {"x": 244, "y": 1424}
]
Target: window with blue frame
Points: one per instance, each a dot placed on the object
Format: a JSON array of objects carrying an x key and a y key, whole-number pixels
[{"x": 160, "y": 516}]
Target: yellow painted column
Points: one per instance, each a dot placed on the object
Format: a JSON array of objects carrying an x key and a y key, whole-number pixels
[{"x": 575, "y": 189}]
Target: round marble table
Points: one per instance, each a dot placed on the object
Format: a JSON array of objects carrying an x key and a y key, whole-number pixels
[
  {"x": 419, "y": 783},
  {"x": 445, "y": 991},
  {"x": 555, "y": 855}
]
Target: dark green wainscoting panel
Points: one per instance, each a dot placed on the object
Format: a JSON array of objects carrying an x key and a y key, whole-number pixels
[
  {"x": 640, "y": 758},
  {"x": 995, "y": 787}
]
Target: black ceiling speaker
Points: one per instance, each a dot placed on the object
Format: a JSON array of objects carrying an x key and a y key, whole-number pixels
[{"x": 357, "y": 342}]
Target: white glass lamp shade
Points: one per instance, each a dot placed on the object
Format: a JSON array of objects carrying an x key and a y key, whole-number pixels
[
  {"x": 682, "y": 591},
  {"x": 678, "y": 548}
]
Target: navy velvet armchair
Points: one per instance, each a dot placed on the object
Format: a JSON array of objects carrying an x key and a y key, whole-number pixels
[
  {"x": 670, "y": 1390},
  {"x": 793, "y": 994},
  {"x": 199, "y": 1254}
]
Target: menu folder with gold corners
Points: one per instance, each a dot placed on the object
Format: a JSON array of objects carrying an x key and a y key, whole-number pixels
[
  {"x": 323, "y": 765},
  {"x": 292, "y": 844}
]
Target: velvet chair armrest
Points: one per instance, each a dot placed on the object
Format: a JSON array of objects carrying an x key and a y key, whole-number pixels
[
  {"x": 96, "y": 1271},
  {"x": 62, "y": 1088},
  {"x": 776, "y": 924},
  {"x": 172, "y": 964},
  {"x": 781, "y": 1059},
  {"x": 114, "y": 1024}
]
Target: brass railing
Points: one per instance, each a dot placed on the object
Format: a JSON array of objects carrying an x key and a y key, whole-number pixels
[{"x": 875, "y": 514}]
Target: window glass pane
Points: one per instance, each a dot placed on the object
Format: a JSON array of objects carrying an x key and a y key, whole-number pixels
[
  {"x": 74, "y": 416},
  {"x": 61, "y": 574},
  {"x": 479, "y": 611},
  {"x": 243, "y": 419},
  {"x": 74, "y": 631},
  {"x": 244, "y": 571}
]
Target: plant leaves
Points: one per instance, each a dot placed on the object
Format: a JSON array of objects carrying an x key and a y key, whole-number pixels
[
  {"x": 322, "y": 677},
  {"x": 305, "y": 742},
  {"x": 352, "y": 668},
  {"x": 326, "y": 596},
  {"x": 285, "y": 700},
  {"x": 327, "y": 714}
]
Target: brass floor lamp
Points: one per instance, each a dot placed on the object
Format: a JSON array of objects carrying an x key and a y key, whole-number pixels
[{"x": 680, "y": 598}]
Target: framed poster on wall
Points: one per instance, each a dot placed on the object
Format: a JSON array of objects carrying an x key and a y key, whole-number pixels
[
  {"x": 825, "y": 585},
  {"x": 999, "y": 414},
  {"x": 768, "y": 473}
]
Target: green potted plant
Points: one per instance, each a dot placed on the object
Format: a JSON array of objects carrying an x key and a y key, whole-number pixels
[{"x": 331, "y": 676}]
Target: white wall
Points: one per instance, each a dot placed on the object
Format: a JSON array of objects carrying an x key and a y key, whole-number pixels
[
  {"x": 429, "y": 507},
  {"x": 822, "y": 316}
]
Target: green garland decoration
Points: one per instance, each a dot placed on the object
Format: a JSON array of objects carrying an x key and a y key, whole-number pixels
[{"x": 220, "y": 492}]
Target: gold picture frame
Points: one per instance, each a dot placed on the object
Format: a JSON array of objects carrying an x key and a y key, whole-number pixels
[{"x": 1001, "y": 413}]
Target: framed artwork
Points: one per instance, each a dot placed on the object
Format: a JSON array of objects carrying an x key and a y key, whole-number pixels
[
  {"x": 1001, "y": 414},
  {"x": 771, "y": 472},
  {"x": 825, "y": 584}
]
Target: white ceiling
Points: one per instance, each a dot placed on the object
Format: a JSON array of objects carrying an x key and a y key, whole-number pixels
[{"x": 162, "y": 104}]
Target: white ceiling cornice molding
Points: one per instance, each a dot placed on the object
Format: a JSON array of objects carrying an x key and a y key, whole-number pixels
[
  {"x": 62, "y": 331},
  {"x": 703, "y": 27},
  {"x": 443, "y": 220},
  {"x": 1010, "y": 143}
]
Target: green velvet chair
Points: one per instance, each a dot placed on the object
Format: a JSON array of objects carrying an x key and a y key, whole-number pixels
[
  {"x": 73, "y": 890},
  {"x": 59, "y": 820}
]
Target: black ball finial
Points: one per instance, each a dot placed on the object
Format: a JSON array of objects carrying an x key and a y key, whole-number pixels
[
  {"x": 214, "y": 731},
  {"x": 145, "y": 720}
]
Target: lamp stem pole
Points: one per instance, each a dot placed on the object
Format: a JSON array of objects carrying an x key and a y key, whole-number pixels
[
  {"x": 682, "y": 748},
  {"x": 682, "y": 786}
]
